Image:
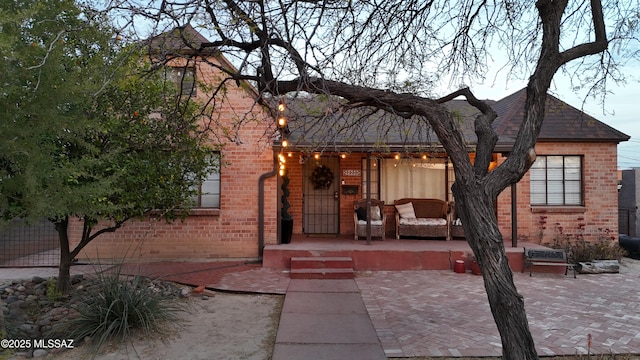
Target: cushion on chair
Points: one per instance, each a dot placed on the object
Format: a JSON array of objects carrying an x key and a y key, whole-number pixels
[
  {"x": 406, "y": 211},
  {"x": 373, "y": 222},
  {"x": 361, "y": 213},
  {"x": 375, "y": 213},
  {"x": 423, "y": 221}
]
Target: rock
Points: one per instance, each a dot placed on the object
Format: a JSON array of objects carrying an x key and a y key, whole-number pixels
[
  {"x": 21, "y": 288},
  {"x": 37, "y": 280},
  {"x": 28, "y": 328},
  {"x": 39, "y": 353},
  {"x": 599, "y": 267},
  {"x": 15, "y": 304},
  {"x": 9, "y": 290},
  {"x": 184, "y": 291},
  {"x": 205, "y": 297}
]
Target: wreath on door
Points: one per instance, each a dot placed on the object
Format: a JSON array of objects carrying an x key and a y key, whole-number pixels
[{"x": 322, "y": 177}]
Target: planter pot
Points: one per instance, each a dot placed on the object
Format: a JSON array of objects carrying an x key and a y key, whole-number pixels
[
  {"x": 475, "y": 268},
  {"x": 286, "y": 230}
]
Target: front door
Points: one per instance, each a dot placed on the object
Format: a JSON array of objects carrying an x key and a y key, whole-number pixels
[{"x": 320, "y": 196}]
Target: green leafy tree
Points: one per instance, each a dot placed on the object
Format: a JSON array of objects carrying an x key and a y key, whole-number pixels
[{"x": 86, "y": 131}]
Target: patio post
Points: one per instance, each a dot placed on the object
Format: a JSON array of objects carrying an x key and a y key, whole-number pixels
[
  {"x": 514, "y": 216},
  {"x": 368, "y": 190}
]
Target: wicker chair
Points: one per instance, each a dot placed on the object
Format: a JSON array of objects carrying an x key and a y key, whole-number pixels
[
  {"x": 378, "y": 221},
  {"x": 456, "y": 227}
]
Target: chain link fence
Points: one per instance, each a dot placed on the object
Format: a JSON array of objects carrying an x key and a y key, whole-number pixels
[{"x": 32, "y": 244}]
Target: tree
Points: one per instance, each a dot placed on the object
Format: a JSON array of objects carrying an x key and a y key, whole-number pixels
[
  {"x": 385, "y": 55},
  {"x": 87, "y": 132}
]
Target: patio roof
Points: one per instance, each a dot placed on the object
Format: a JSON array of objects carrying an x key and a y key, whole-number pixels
[{"x": 319, "y": 123}]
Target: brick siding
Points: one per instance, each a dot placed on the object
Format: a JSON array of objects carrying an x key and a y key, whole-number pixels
[
  {"x": 598, "y": 218},
  {"x": 228, "y": 232}
]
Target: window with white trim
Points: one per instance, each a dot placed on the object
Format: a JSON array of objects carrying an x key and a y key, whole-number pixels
[
  {"x": 208, "y": 192},
  {"x": 557, "y": 180},
  {"x": 185, "y": 79}
]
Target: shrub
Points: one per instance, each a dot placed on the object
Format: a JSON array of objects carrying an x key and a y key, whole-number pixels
[
  {"x": 116, "y": 305},
  {"x": 581, "y": 250}
]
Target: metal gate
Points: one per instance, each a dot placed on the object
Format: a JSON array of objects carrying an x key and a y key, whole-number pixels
[
  {"x": 29, "y": 244},
  {"x": 626, "y": 221},
  {"x": 321, "y": 204}
]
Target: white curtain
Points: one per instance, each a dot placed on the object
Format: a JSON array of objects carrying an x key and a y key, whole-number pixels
[{"x": 412, "y": 178}]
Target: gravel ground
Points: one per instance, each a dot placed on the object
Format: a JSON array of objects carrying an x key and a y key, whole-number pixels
[{"x": 214, "y": 325}]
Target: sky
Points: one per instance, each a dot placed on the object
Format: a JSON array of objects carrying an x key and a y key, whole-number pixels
[{"x": 620, "y": 110}]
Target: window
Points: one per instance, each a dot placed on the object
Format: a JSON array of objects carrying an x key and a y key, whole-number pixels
[
  {"x": 208, "y": 195},
  {"x": 185, "y": 79},
  {"x": 412, "y": 178},
  {"x": 374, "y": 175},
  {"x": 556, "y": 180}
]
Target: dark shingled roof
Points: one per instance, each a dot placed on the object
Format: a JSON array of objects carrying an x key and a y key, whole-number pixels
[
  {"x": 562, "y": 122},
  {"x": 318, "y": 122},
  {"x": 184, "y": 40}
]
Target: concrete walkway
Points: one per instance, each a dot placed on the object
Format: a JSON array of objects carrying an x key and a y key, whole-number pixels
[{"x": 325, "y": 319}]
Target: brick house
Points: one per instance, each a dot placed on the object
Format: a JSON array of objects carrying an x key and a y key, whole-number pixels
[{"x": 571, "y": 189}]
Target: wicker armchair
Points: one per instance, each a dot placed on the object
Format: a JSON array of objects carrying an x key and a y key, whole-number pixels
[
  {"x": 456, "y": 226},
  {"x": 378, "y": 220}
]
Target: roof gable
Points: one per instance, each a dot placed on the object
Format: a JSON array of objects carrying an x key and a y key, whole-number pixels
[
  {"x": 562, "y": 122},
  {"x": 183, "y": 40}
]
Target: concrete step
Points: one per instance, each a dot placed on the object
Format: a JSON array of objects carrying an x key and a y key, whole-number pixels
[
  {"x": 322, "y": 262},
  {"x": 317, "y": 267},
  {"x": 327, "y": 274}
]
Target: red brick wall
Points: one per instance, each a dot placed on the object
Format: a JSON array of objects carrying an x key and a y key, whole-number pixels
[
  {"x": 228, "y": 232},
  {"x": 351, "y": 161},
  {"x": 599, "y": 216}
]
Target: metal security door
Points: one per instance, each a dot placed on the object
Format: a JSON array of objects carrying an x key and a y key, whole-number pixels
[{"x": 321, "y": 200}]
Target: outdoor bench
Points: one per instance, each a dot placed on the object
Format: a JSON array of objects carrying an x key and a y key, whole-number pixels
[
  {"x": 426, "y": 218},
  {"x": 547, "y": 257}
]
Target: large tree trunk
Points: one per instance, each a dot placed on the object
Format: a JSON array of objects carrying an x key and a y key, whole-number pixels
[
  {"x": 64, "y": 269},
  {"x": 476, "y": 208}
]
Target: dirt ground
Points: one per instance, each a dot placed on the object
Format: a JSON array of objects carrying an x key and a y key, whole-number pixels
[{"x": 222, "y": 326}]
